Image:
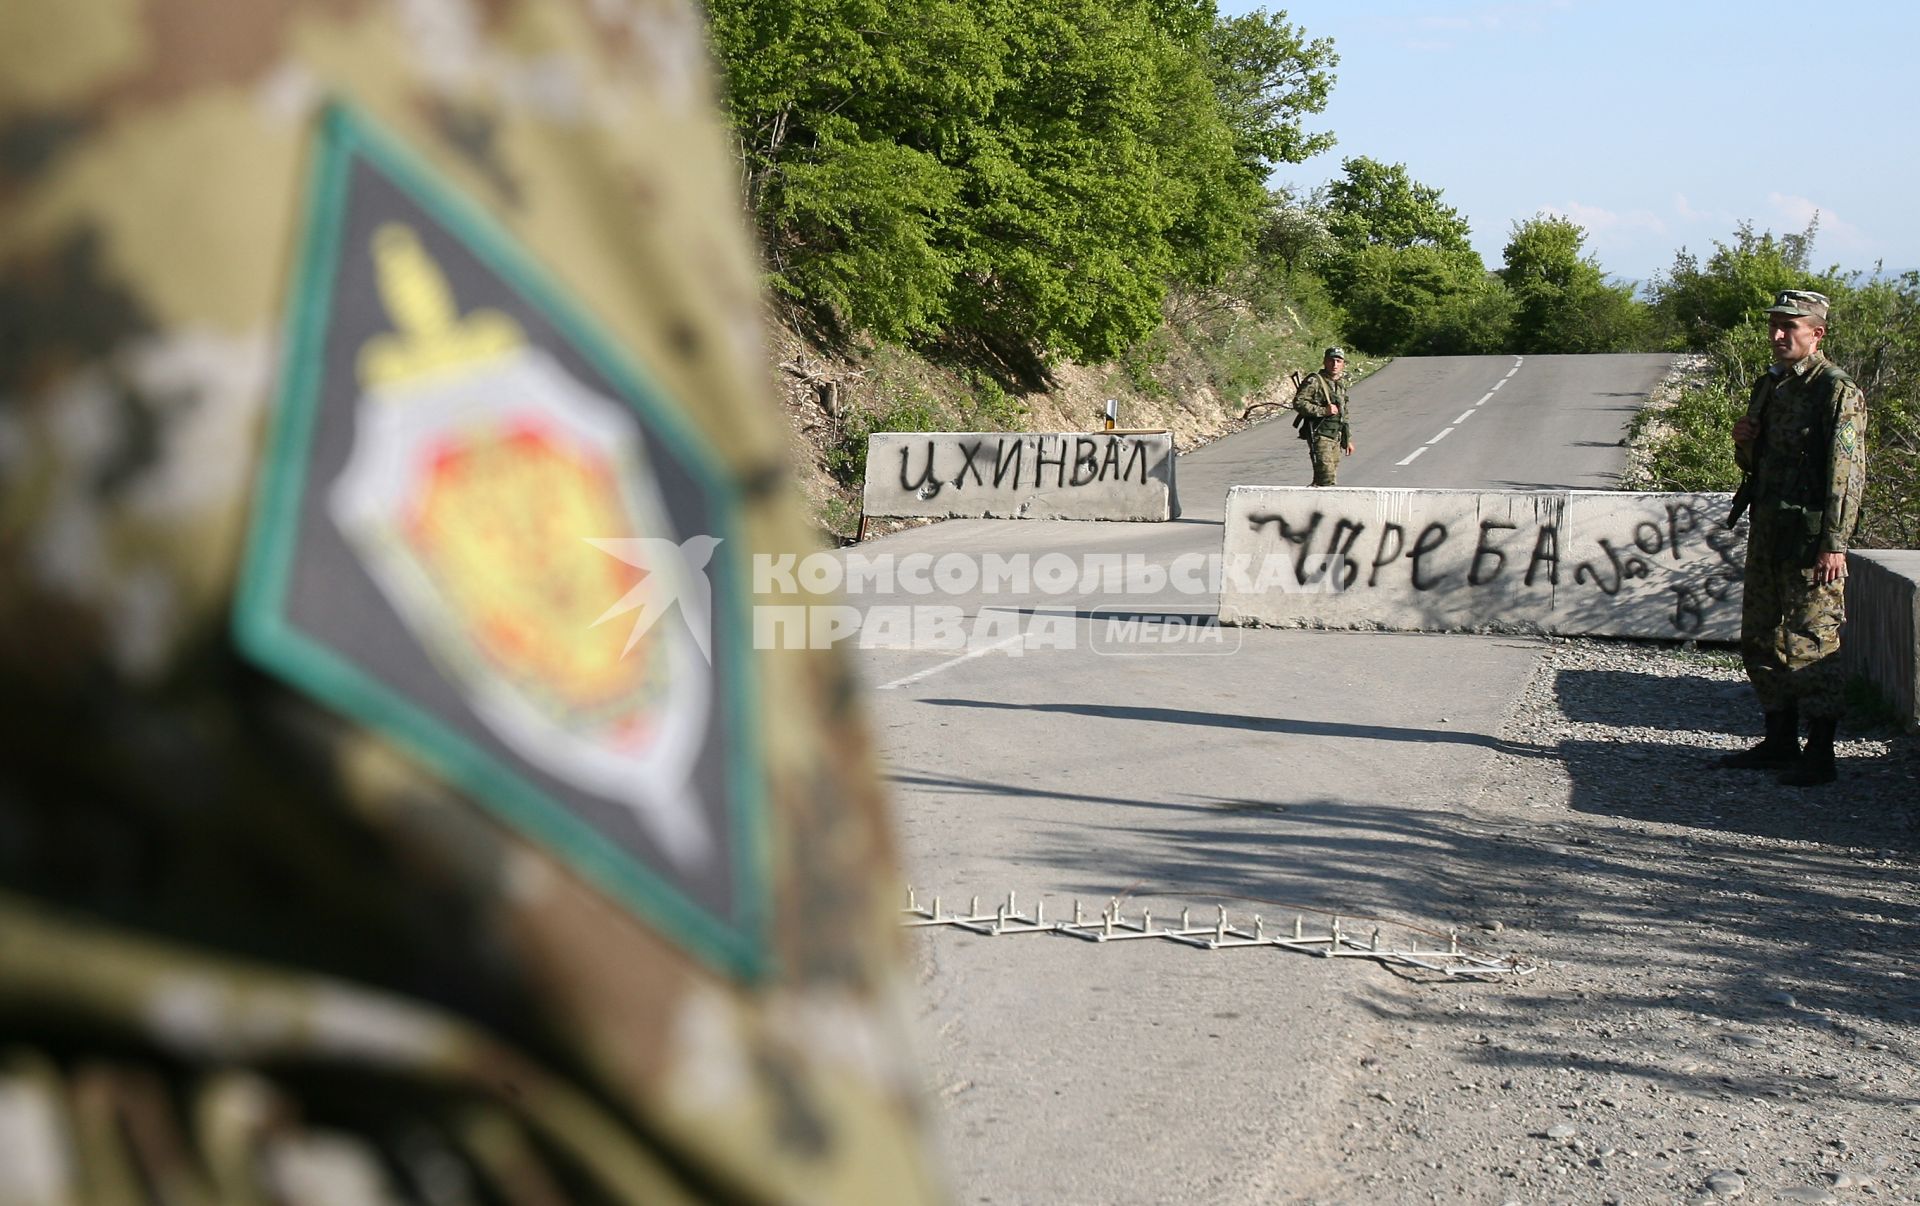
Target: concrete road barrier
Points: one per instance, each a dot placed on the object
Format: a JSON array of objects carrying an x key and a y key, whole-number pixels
[
  {"x": 1882, "y": 637},
  {"x": 1574, "y": 562},
  {"x": 1120, "y": 475}
]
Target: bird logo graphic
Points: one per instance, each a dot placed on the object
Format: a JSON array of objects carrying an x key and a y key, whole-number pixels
[{"x": 675, "y": 575}]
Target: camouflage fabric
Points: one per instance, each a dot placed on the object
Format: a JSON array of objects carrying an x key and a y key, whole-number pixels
[
  {"x": 252, "y": 949},
  {"x": 1808, "y": 463},
  {"x": 1316, "y": 395},
  {"x": 1807, "y": 474},
  {"x": 1326, "y": 452},
  {"x": 1790, "y": 631},
  {"x": 1327, "y": 434}
]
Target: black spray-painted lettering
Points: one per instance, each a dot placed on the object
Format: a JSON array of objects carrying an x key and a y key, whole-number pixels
[
  {"x": 1681, "y": 521},
  {"x": 1302, "y": 540},
  {"x": 928, "y": 486},
  {"x": 970, "y": 451},
  {"x": 1484, "y": 551},
  {"x": 1723, "y": 540},
  {"x": 1546, "y": 551},
  {"x": 1431, "y": 537},
  {"x": 1005, "y": 459},
  {"x": 1631, "y": 567},
  {"x": 1112, "y": 460},
  {"x": 1041, "y": 461},
  {"x": 1381, "y": 556},
  {"x": 1086, "y": 464},
  {"x": 1690, "y": 607},
  {"x": 1139, "y": 455},
  {"x": 1340, "y": 551},
  {"x": 1648, "y": 538}
]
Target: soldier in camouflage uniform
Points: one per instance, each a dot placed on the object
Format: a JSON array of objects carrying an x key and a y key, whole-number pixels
[
  {"x": 1802, "y": 444},
  {"x": 326, "y": 872},
  {"x": 1323, "y": 422}
]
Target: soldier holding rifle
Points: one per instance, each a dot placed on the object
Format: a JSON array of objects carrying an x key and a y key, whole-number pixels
[{"x": 1323, "y": 422}]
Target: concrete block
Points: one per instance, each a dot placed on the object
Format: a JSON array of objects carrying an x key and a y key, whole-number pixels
[
  {"x": 1124, "y": 475},
  {"x": 1882, "y": 638},
  {"x": 1576, "y": 562}
]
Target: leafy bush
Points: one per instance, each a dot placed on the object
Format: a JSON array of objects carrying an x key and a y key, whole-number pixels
[
  {"x": 1561, "y": 299},
  {"x": 1874, "y": 334},
  {"x": 1028, "y": 175},
  {"x": 1695, "y": 303},
  {"x": 846, "y": 455}
]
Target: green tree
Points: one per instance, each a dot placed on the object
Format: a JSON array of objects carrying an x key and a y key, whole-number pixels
[
  {"x": 1562, "y": 301},
  {"x": 1402, "y": 267},
  {"x": 849, "y": 114},
  {"x": 1294, "y": 232},
  {"x": 1268, "y": 75},
  {"x": 1694, "y": 303},
  {"x": 1105, "y": 170},
  {"x": 1421, "y": 299},
  {"x": 1373, "y": 204},
  {"x": 1030, "y": 174}
]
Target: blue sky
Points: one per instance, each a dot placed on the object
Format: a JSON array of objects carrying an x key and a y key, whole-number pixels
[{"x": 1653, "y": 125}]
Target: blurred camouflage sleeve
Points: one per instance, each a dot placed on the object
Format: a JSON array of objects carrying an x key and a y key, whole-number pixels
[
  {"x": 257, "y": 942},
  {"x": 1847, "y": 479}
]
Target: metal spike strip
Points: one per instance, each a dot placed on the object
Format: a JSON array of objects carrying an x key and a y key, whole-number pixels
[{"x": 1112, "y": 925}]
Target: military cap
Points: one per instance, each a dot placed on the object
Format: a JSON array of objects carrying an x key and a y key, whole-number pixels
[
  {"x": 1335, "y": 354},
  {"x": 1800, "y": 303}
]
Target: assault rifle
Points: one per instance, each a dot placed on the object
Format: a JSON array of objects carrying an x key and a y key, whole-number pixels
[{"x": 1297, "y": 378}]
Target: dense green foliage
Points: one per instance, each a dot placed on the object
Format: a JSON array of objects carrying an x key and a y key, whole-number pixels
[
  {"x": 1562, "y": 301},
  {"x": 1087, "y": 179},
  {"x": 1695, "y": 303},
  {"x": 1403, "y": 268},
  {"x": 1032, "y": 175},
  {"x": 1873, "y": 333}
]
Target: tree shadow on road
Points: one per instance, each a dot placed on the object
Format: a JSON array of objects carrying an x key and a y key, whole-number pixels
[
  {"x": 1705, "y": 933},
  {"x": 1257, "y": 724}
]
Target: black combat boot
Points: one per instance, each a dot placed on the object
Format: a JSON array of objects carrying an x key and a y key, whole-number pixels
[
  {"x": 1779, "y": 750},
  {"x": 1815, "y": 767}
]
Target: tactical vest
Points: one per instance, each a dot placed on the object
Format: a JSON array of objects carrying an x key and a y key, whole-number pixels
[{"x": 1797, "y": 497}]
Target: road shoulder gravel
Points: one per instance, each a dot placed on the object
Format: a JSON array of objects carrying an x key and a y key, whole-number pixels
[{"x": 1728, "y": 999}]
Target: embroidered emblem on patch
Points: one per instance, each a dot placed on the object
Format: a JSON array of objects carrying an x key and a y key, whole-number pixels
[{"x": 485, "y": 533}]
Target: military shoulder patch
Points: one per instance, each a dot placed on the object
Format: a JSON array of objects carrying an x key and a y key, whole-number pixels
[{"x": 487, "y": 534}]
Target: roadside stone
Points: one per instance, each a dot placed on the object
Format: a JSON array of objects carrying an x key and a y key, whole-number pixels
[
  {"x": 1562, "y": 1130},
  {"x": 1726, "y": 1184},
  {"x": 1783, "y": 998},
  {"x": 1805, "y": 1193}
]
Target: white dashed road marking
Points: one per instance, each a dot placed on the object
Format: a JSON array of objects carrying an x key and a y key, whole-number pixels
[
  {"x": 930, "y": 671},
  {"x": 1415, "y": 454}
]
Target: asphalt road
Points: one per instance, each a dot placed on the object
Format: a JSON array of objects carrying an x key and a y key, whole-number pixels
[{"x": 1269, "y": 771}]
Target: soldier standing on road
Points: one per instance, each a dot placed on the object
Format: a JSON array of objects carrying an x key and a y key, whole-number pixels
[
  {"x": 1323, "y": 423},
  {"x": 1802, "y": 444}
]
